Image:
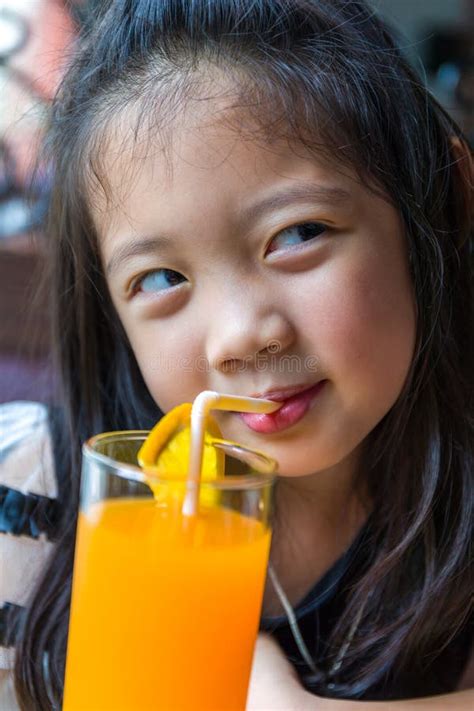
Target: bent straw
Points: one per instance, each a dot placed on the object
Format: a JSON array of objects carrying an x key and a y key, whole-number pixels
[{"x": 205, "y": 402}]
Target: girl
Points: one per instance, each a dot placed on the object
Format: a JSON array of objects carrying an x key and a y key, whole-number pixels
[{"x": 261, "y": 198}]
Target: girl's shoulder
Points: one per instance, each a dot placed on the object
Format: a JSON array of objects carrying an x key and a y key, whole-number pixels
[{"x": 28, "y": 494}]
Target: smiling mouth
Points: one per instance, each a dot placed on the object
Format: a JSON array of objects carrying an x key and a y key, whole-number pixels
[{"x": 295, "y": 401}]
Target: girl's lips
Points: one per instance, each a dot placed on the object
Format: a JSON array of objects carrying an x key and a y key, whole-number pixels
[{"x": 291, "y": 411}]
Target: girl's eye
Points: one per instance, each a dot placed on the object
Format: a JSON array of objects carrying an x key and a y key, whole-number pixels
[
  {"x": 158, "y": 280},
  {"x": 161, "y": 280},
  {"x": 296, "y": 235}
]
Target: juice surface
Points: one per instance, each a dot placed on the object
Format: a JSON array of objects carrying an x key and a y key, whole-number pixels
[{"x": 165, "y": 609}]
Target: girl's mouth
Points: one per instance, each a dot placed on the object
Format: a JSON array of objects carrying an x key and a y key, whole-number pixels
[{"x": 292, "y": 410}]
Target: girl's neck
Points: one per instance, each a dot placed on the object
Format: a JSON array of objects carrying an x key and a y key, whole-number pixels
[{"x": 316, "y": 519}]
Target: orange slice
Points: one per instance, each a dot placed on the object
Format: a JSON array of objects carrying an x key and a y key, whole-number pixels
[{"x": 165, "y": 455}]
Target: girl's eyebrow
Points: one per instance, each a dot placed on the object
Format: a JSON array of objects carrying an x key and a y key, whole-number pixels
[
  {"x": 136, "y": 247},
  {"x": 296, "y": 193},
  {"x": 299, "y": 192}
]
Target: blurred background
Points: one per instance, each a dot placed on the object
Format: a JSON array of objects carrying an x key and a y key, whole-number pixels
[{"x": 35, "y": 35}]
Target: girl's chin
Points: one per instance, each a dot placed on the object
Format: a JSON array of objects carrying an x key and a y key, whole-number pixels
[{"x": 289, "y": 467}]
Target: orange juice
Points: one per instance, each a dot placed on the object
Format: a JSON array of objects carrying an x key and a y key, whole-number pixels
[{"x": 165, "y": 608}]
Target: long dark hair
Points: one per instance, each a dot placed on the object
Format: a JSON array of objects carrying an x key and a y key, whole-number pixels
[{"x": 329, "y": 74}]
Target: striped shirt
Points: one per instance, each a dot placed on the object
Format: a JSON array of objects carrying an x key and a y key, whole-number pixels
[{"x": 27, "y": 484}]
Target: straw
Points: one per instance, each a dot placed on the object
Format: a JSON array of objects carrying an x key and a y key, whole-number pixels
[{"x": 205, "y": 402}]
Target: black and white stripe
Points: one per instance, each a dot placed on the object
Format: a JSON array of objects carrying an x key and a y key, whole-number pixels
[{"x": 29, "y": 513}]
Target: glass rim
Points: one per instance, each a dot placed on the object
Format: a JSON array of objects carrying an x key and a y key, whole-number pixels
[{"x": 133, "y": 472}]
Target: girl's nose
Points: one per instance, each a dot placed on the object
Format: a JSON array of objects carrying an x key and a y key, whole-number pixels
[{"x": 241, "y": 335}]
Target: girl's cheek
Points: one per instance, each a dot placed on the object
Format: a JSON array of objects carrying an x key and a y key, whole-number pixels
[
  {"x": 166, "y": 388},
  {"x": 364, "y": 321},
  {"x": 171, "y": 369}
]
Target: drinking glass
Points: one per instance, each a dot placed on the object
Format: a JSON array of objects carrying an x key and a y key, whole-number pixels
[{"x": 165, "y": 607}]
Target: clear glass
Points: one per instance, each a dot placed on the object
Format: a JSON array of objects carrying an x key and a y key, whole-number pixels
[{"x": 165, "y": 608}]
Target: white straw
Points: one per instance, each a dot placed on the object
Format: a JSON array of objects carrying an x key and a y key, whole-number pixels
[{"x": 205, "y": 402}]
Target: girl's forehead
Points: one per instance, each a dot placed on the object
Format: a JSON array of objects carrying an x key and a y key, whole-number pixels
[{"x": 214, "y": 149}]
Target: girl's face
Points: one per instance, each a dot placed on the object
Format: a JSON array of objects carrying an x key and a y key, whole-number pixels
[{"x": 242, "y": 268}]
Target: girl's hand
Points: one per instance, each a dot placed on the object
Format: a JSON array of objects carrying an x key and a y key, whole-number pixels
[{"x": 274, "y": 684}]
